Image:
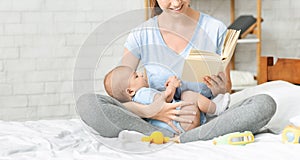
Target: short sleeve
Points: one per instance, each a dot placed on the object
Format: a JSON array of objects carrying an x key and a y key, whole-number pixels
[
  {"x": 221, "y": 35},
  {"x": 145, "y": 95},
  {"x": 133, "y": 43}
]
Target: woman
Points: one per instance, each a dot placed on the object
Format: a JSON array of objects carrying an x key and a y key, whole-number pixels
[{"x": 160, "y": 45}]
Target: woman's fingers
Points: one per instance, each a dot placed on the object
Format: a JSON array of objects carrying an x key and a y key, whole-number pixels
[
  {"x": 171, "y": 113},
  {"x": 216, "y": 83},
  {"x": 184, "y": 112},
  {"x": 175, "y": 113},
  {"x": 183, "y": 103},
  {"x": 222, "y": 76},
  {"x": 180, "y": 104},
  {"x": 181, "y": 120},
  {"x": 171, "y": 124},
  {"x": 209, "y": 82},
  {"x": 215, "y": 80}
]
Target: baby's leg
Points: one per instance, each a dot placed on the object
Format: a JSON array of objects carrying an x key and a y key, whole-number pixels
[
  {"x": 204, "y": 104},
  {"x": 222, "y": 102}
]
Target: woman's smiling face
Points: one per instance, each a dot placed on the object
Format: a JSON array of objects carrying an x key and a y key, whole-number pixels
[{"x": 174, "y": 6}]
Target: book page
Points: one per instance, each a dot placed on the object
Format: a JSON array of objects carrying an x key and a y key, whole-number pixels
[
  {"x": 229, "y": 45},
  {"x": 201, "y": 64}
]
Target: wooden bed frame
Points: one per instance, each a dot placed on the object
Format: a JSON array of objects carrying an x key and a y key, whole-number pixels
[{"x": 284, "y": 69}]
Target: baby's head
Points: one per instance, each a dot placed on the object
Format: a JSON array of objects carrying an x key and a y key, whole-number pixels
[{"x": 122, "y": 83}]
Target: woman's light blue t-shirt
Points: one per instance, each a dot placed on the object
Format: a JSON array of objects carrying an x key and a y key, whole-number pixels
[{"x": 161, "y": 62}]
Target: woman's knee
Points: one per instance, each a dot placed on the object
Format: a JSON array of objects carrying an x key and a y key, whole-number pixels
[{"x": 269, "y": 103}]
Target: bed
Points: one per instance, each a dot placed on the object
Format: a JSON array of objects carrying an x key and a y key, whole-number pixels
[
  {"x": 67, "y": 140},
  {"x": 269, "y": 69},
  {"x": 286, "y": 69},
  {"x": 72, "y": 139}
]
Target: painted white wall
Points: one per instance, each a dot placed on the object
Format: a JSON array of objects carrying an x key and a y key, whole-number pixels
[{"x": 39, "y": 41}]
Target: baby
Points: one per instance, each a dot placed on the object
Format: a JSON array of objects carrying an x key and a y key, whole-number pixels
[{"x": 124, "y": 84}]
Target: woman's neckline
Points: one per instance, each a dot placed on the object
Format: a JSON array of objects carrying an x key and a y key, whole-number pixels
[{"x": 194, "y": 33}]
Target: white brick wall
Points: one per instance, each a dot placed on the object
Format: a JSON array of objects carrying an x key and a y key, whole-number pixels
[
  {"x": 40, "y": 39},
  {"x": 280, "y": 29},
  {"x": 39, "y": 42}
]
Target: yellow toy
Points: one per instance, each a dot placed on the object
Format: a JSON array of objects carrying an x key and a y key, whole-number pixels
[
  {"x": 156, "y": 138},
  {"x": 291, "y": 134},
  {"x": 236, "y": 138}
]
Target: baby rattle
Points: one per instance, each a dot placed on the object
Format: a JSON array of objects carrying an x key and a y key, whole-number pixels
[
  {"x": 236, "y": 138},
  {"x": 156, "y": 138}
]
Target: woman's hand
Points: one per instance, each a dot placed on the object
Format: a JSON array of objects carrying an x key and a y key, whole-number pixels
[
  {"x": 168, "y": 113},
  {"x": 216, "y": 83}
]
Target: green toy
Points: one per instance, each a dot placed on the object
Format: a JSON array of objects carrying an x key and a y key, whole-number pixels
[{"x": 236, "y": 138}]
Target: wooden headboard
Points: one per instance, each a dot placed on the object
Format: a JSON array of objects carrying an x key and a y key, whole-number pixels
[{"x": 284, "y": 69}]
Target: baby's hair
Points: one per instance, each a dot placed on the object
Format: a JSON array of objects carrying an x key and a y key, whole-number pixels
[{"x": 115, "y": 86}]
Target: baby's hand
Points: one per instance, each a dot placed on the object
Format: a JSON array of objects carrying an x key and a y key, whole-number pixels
[{"x": 173, "y": 81}]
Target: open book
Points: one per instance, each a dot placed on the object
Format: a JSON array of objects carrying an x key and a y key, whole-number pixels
[{"x": 201, "y": 63}]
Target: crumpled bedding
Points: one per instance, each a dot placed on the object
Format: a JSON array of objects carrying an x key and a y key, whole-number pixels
[
  {"x": 43, "y": 139},
  {"x": 69, "y": 139},
  {"x": 72, "y": 139}
]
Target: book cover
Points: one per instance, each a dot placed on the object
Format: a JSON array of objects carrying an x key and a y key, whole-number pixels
[{"x": 202, "y": 63}]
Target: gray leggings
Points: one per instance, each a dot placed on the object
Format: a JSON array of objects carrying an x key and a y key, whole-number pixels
[{"x": 108, "y": 117}]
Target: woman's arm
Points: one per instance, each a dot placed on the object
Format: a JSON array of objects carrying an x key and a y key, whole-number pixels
[
  {"x": 145, "y": 111},
  {"x": 129, "y": 59}
]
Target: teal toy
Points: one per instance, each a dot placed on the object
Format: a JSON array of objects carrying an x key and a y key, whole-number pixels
[
  {"x": 291, "y": 133},
  {"x": 236, "y": 138}
]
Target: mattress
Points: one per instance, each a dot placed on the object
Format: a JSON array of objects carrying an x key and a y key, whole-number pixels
[
  {"x": 71, "y": 139},
  {"x": 68, "y": 139}
]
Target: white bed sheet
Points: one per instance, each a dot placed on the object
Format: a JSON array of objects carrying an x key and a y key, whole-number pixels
[{"x": 69, "y": 139}]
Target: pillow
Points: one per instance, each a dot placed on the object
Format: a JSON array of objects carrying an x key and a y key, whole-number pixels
[
  {"x": 108, "y": 117},
  {"x": 286, "y": 96},
  {"x": 242, "y": 79}
]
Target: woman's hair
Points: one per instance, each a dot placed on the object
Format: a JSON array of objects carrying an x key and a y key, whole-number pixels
[{"x": 155, "y": 8}]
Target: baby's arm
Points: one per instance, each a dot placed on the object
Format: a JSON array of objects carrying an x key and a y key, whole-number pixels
[
  {"x": 170, "y": 92},
  {"x": 171, "y": 85}
]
